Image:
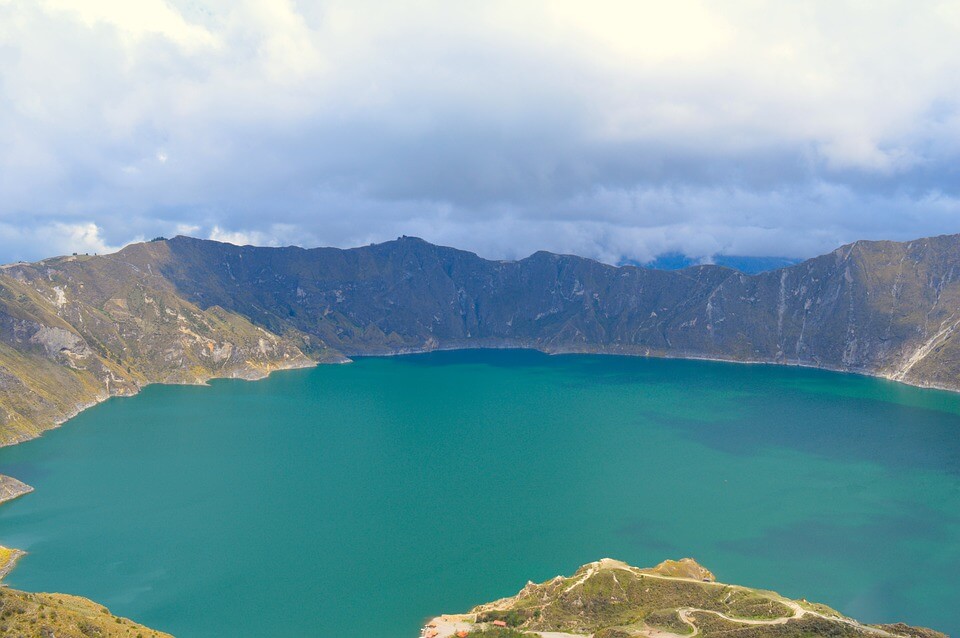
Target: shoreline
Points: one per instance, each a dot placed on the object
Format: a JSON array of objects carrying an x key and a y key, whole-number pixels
[
  {"x": 608, "y": 352},
  {"x": 8, "y": 560},
  {"x": 345, "y": 358},
  {"x": 15, "y": 488},
  {"x": 448, "y": 624},
  {"x": 260, "y": 374},
  {"x": 81, "y": 407},
  {"x": 11, "y": 488}
]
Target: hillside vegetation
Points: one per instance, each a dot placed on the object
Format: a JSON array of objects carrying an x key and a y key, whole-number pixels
[
  {"x": 610, "y": 599},
  {"x": 24, "y": 615}
]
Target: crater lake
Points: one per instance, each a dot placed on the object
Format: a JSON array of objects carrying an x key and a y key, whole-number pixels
[{"x": 361, "y": 499}]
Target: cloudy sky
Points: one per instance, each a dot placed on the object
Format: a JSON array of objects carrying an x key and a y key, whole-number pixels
[{"x": 609, "y": 129}]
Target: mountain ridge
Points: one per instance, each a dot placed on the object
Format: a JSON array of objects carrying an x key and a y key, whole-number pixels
[{"x": 75, "y": 330}]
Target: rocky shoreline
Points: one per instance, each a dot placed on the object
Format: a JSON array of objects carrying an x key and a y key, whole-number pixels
[
  {"x": 8, "y": 560},
  {"x": 11, "y": 488},
  {"x": 59, "y": 615}
]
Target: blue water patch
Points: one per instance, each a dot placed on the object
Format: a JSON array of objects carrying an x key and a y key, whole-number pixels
[{"x": 360, "y": 499}]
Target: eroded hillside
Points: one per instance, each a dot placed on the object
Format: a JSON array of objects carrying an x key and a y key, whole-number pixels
[{"x": 76, "y": 330}]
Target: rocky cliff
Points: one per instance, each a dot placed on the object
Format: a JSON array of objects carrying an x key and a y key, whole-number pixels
[
  {"x": 11, "y": 488},
  {"x": 75, "y": 330}
]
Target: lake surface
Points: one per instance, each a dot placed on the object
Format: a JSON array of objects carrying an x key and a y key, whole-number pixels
[{"x": 360, "y": 499}]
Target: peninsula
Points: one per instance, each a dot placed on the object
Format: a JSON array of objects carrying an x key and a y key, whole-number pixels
[{"x": 611, "y": 599}]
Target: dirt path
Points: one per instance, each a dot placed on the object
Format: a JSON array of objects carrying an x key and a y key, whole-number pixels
[
  {"x": 798, "y": 611},
  {"x": 447, "y": 626}
]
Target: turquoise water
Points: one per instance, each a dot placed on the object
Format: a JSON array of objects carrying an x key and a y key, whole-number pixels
[{"x": 360, "y": 499}]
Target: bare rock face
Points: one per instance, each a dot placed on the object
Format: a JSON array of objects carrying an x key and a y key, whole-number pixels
[
  {"x": 60, "y": 344},
  {"x": 11, "y": 488},
  {"x": 76, "y": 330}
]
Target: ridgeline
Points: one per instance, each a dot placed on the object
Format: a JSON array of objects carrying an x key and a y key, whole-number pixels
[{"x": 76, "y": 330}]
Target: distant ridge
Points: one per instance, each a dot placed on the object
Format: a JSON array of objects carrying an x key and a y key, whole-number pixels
[{"x": 76, "y": 330}]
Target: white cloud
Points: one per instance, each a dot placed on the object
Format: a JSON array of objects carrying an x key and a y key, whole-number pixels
[
  {"x": 52, "y": 239},
  {"x": 187, "y": 229},
  {"x": 274, "y": 235},
  {"x": 134, "y": 20},
  {"x": 608, "y": 128},
  {"x": 238, "y": 238}
]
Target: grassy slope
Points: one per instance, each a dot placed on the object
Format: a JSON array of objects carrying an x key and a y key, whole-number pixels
[
  {"x": 74, "y": 331},
  {"x": 62, "y": 616},
  {"x": 613, "y": 600}
]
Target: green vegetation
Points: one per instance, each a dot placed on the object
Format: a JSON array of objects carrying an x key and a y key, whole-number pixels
[
  {"x": 513, "y": 617},
  {"x": 610, "y": 599},
  {"x": 808, "y": 626},
  {"x": 667, "y": 620},
  {"x": 752, "y": 605},
  {"x": 497, "y": 632},
  {"x": 58, "y": 615},
  {"x": 8, "y": 558},
  {"x": 77, "y": 331},
  {"x": 48, "y": 615}
]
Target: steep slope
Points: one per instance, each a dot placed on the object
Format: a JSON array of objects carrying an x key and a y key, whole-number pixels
[
  {"x": 610, "y": 599},
  {"x": 76, "y": 330},
  {"x": 884, "y": 308},
  {"x": 62, "y": 616},
  {"x": 11, "y": 488},
  {"x": 409, "y": 294}
]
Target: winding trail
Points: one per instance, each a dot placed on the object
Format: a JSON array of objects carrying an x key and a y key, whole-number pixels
[
  {"x": 446, "y": 626},
  {"x": 799, "y": 612},
  {"x": 685, "y": 613}
]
